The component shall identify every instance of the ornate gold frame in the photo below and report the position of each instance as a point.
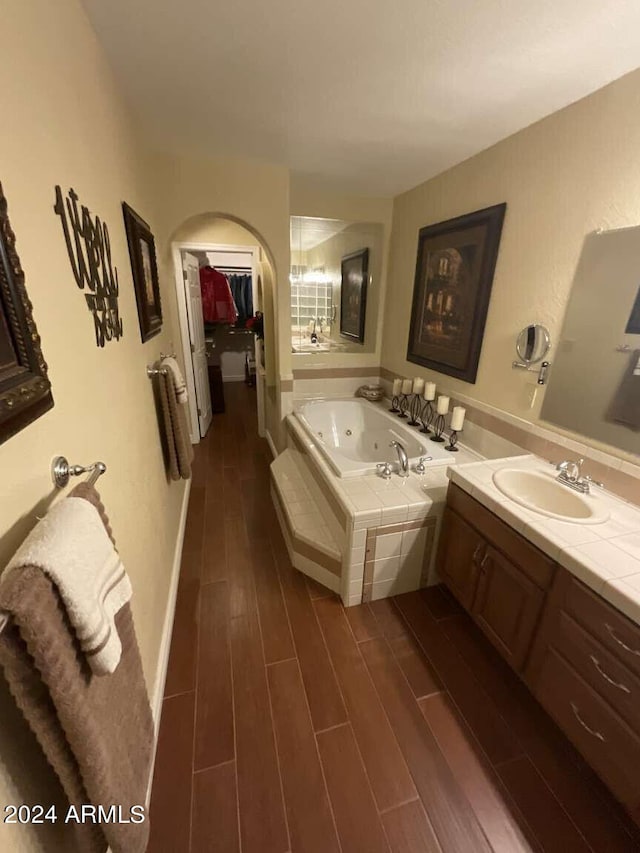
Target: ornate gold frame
(25, 389)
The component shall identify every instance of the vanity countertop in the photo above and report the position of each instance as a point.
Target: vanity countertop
(604, 556)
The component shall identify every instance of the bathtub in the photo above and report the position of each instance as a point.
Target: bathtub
(354, 435)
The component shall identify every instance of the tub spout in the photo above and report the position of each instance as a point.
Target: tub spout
(403, 459)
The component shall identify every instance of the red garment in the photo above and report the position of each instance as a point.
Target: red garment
(217, 302)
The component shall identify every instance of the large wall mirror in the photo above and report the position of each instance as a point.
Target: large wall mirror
(594, 384)
(335, 284)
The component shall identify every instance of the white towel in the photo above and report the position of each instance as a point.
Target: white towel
(178, 379)
(72, 547)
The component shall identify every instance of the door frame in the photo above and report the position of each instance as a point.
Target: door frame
(176, 249)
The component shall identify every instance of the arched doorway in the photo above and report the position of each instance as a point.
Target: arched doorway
(215, 353)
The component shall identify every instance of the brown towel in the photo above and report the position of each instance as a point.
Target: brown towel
(176, 430)
(96, 731)
(625, 406)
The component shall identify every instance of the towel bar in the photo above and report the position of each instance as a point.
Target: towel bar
(156, 371)
(61, 471)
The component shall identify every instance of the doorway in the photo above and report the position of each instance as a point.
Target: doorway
(223, 348)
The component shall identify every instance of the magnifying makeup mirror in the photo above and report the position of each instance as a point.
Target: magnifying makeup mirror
(532, 345)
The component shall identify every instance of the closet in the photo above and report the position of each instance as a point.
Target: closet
(231, 343)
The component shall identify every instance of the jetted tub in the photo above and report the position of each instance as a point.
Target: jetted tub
(354, 435)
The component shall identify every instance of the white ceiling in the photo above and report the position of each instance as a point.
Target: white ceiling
(371, 95)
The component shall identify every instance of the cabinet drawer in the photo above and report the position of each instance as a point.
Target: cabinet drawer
(530, 559)
(617, 634)
(604, 739)
(602, 670)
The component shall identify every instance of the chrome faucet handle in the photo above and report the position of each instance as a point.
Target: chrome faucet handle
(421, 468)
(591, 481)
(384, 470)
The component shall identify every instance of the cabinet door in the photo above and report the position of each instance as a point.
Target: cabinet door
(459, 554)
(506, 606)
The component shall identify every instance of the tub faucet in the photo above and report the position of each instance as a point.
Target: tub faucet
(403, 459)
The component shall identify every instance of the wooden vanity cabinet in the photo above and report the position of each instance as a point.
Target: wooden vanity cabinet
(497, 576)
(461, 549)
(579, 656)
(507, 606)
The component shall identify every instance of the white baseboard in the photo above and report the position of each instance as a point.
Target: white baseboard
(272, 446)
(167, 629)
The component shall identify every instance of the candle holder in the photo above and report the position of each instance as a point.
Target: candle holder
(453, 440)
(414, 409)
(403, 405)
(426, 416)
(395, 404)
(438, 428)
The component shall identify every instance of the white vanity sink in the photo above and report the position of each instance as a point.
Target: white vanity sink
(541, 492)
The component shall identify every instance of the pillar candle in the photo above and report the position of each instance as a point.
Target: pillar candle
(418, 385)
(457, 418)
(406, 386)
(443, 405)
(430, 391)
(397, 386)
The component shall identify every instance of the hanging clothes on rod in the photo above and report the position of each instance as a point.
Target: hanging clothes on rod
(218, 305)
(242, 291)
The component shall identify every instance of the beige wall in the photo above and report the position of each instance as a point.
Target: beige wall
(565, 176)
(256, 195)
(308, 198)
(65, 124)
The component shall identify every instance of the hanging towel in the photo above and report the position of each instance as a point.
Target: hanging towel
(625, 406)
(97, 733)
(178, 379)
(217, 301)
(174, 429)
(71, 546)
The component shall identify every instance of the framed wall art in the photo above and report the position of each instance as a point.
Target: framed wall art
(353, 295)
(454, 273)
(144, 267)
(25, 390)
(633, 323)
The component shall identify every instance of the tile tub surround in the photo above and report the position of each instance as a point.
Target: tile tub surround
(620, 474)
(605, 557)
(369, 505)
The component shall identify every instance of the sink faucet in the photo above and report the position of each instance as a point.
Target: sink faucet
(570, 476)
(403, 459)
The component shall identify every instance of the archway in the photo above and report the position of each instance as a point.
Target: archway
(213, 232)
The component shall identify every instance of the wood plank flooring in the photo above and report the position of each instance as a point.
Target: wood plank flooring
(292, 724)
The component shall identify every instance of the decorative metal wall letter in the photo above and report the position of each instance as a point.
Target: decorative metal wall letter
(89, 251)
(25, 390)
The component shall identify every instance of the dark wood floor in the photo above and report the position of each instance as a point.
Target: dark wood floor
(290, 723)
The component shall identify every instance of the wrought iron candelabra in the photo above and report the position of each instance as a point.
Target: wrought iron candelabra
(438, 428)
(426, 416)
(415, 407)
(453, 440)
(403, 405)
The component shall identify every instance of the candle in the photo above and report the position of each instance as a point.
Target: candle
(430, 391)
(457, 418)
(443, 405)
(406, 386)
(418, 385)
(397, 386)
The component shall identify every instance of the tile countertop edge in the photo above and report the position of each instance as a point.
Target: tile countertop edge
(622, 591)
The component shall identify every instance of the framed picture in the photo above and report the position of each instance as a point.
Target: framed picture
(353, 294)
(633, 323)
(454, 273)
(142, 251)
(25, 390)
